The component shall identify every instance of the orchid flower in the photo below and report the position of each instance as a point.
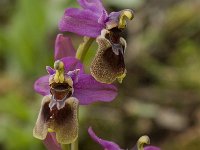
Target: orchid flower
(85, 88)
(64, 88)
(109, 145)
(92, 18)
(94, 21)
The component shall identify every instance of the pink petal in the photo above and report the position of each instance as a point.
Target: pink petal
(93, 5)
(63, 47)
(82, 22)
(81, 14)
(108, 145)
(50, 70)
(103, 18)
(74, 75)
(72, 64)
(151, 148)
(41, 85)
(88, 90)
(51, 143)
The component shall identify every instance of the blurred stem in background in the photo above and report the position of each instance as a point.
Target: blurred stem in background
(83, 48)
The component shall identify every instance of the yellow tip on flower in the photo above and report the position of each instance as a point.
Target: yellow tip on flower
(141, 141)
(120, 79)
(50, 130)
(59, 67)
(125, 14)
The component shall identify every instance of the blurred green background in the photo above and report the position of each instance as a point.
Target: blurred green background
(159, 97)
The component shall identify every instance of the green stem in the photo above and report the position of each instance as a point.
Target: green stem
(74, 146)
(66, 146)
(83, 48)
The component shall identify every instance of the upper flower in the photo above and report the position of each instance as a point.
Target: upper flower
(92, 18)
(109, 145)
(84, 87)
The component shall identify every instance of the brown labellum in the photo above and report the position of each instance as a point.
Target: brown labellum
(108, 64)
(64, 122)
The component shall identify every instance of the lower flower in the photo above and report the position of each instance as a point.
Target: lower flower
(109, 145)
(64, 89)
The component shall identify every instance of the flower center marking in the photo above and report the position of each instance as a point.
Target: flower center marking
(60, 88)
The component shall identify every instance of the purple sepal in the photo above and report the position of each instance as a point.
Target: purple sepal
(114, 16)
(107, 145)
(41, 85)
(71, 64)
(50, 70)
(151, 148)
(87, 90)
(74, 75)
(93, 5)
(82, 22)
(81, 14)
(63, 47)
(51, 143)
(103, 18)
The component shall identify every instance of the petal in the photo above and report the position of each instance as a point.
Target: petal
(41, 127)
(93, 5)
(81, 14)
(82, 22)
(112, 20)
(65, 122)
(151, 148)
(72, 64)
(103, 18)
(41, 85)
(88, 90)
(63, 47)
(50, 70)
(114, 16)
(108, 145)
(108, 63)
(74, 75)
(51, 143)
